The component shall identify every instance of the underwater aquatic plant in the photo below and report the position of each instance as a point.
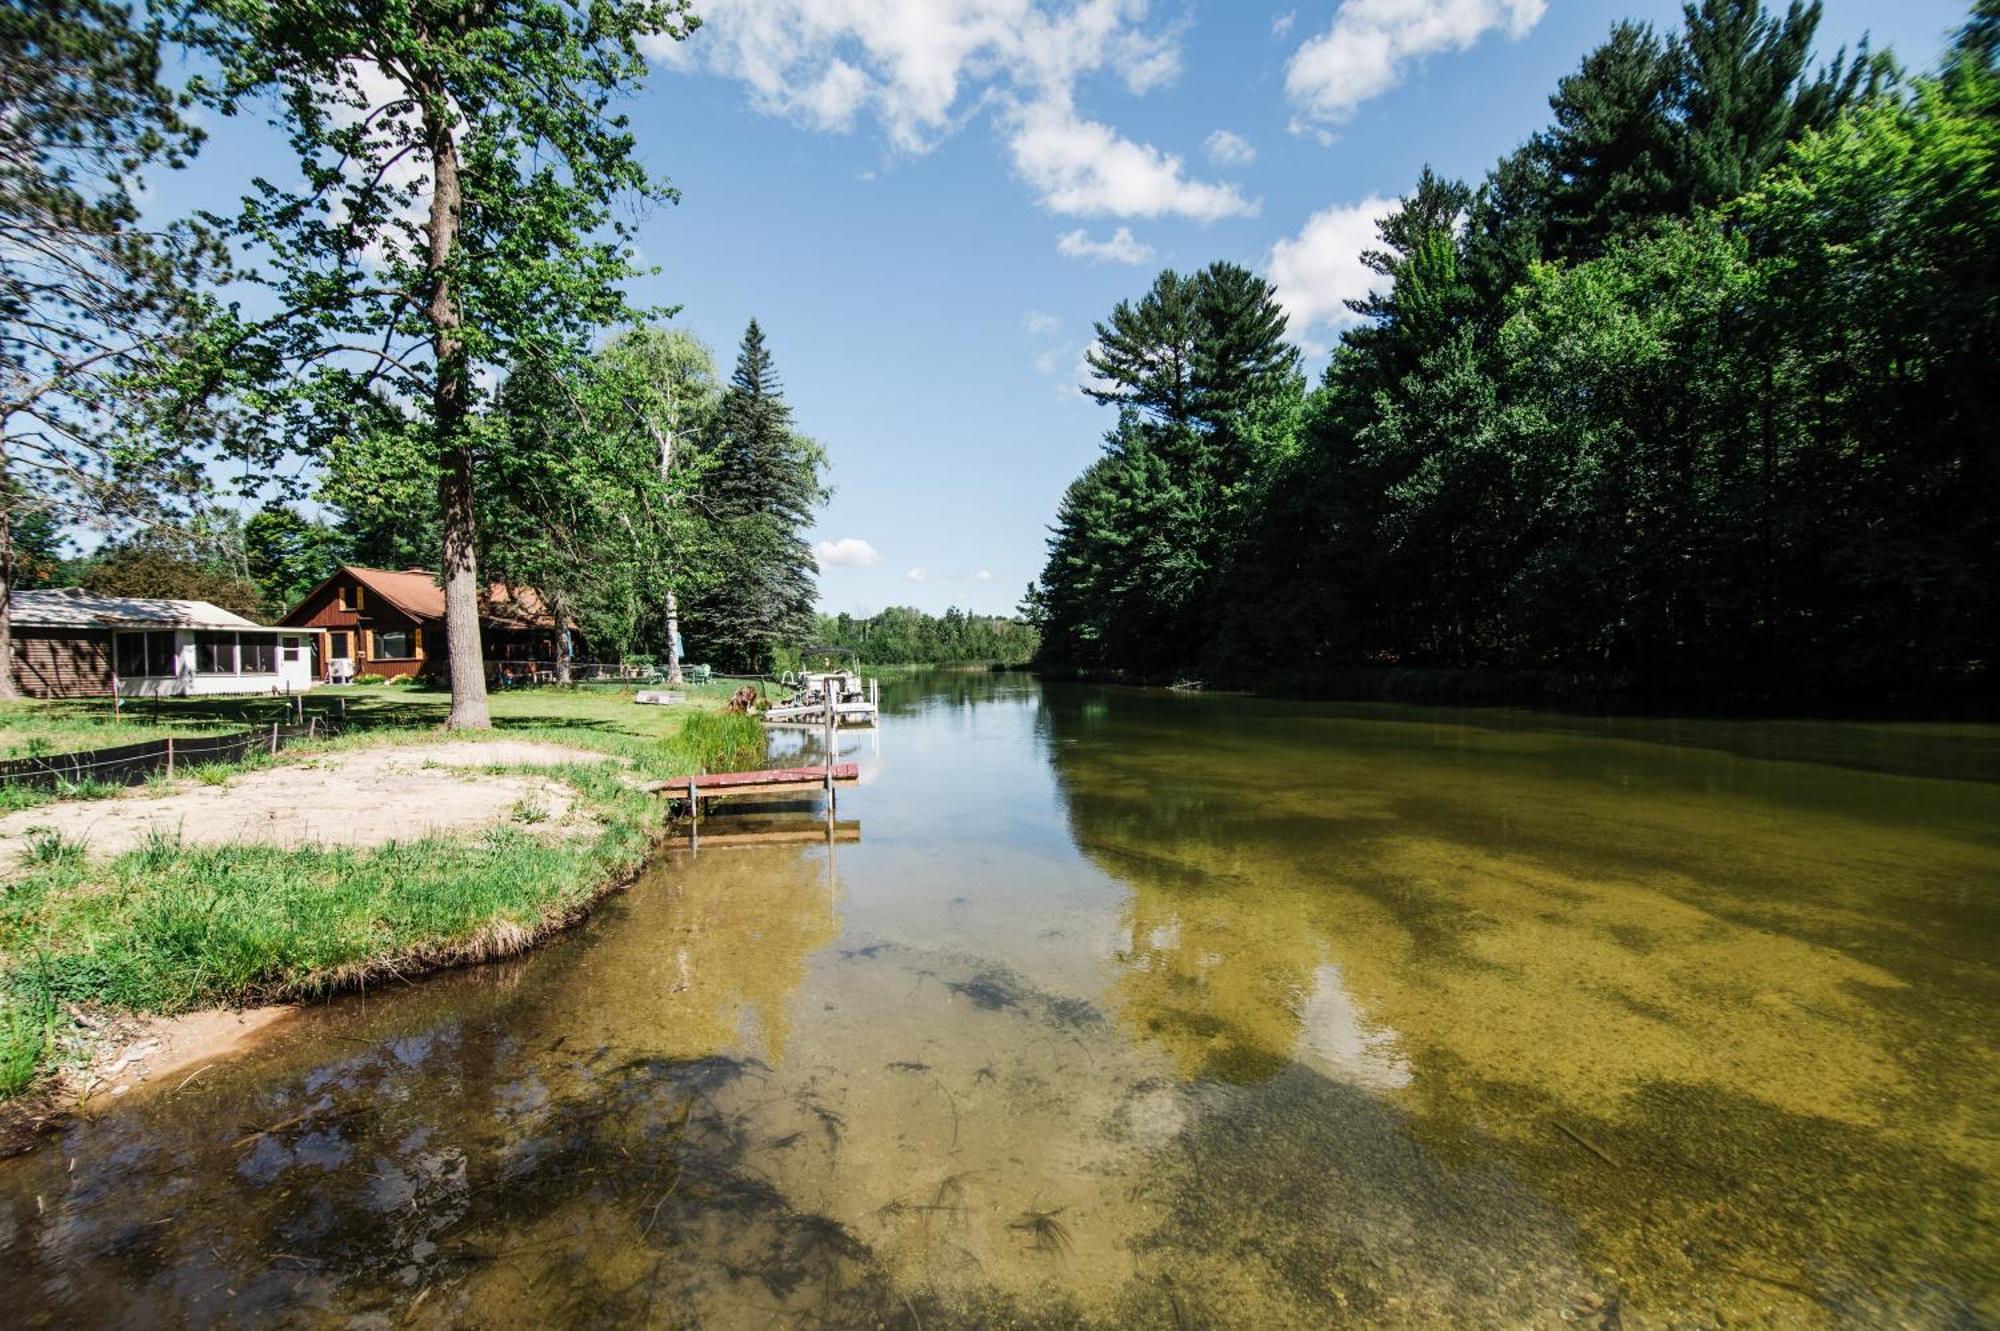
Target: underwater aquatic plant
(1049, 1233)
(988, 991)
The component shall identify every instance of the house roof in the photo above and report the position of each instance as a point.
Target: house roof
(416, 593)
(74, 608)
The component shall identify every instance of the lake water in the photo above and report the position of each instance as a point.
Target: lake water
(1135, 1009)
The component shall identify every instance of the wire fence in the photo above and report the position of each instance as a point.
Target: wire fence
(131, 764)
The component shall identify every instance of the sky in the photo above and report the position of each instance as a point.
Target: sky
(928, 203)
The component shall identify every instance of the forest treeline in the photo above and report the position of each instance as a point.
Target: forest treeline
(905, 635)
(1694, 393)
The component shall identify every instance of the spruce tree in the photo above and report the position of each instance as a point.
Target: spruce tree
(761, 488)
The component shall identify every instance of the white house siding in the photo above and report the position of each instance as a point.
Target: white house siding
(188, 682)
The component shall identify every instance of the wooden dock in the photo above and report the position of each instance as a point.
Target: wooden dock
(771, 781)
(774, 781)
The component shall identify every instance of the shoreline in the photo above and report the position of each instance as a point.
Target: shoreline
(217, 1034)
(301, 891)
(1425, 686)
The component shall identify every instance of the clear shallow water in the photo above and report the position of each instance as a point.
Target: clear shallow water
(1136, 1009)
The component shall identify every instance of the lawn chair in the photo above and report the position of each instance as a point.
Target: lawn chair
(699, 674)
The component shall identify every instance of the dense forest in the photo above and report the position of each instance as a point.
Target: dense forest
(905, 635)
(1694, 393)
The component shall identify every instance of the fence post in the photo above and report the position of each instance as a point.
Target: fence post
(274, 739)
(170, 757)
(694, 816)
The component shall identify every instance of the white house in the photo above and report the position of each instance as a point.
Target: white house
(70, 644)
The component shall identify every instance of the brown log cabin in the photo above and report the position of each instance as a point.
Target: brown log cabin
(389, 622)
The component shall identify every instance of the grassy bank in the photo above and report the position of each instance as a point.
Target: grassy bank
(167, 928)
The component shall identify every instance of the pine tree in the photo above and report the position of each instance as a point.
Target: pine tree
(762, 486)
(88, 296)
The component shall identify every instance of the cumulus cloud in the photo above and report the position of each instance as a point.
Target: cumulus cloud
(918, 575)
(1372, 42)
(1281, 24)
(984, 575)
(1121, 246)
(921, 68)
(1086, 169)
(847, 552)
(1319, 270)
(1226, 148)
(1041, 325)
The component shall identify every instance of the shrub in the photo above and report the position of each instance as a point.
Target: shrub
(370, 679)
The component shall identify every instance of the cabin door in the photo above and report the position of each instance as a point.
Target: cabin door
(340, 656)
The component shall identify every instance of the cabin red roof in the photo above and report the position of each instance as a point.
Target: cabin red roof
(415, 592)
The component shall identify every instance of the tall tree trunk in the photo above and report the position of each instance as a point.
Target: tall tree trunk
(565, 667)
(665, 439)
(7, 689)
(673, 637)
(467, 663)
(673, 601)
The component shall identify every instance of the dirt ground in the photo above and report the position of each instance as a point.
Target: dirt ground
(358, 797)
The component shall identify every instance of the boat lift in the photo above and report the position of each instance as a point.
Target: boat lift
(820, 696)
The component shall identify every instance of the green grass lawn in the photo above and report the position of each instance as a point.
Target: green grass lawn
(168, 928)
(35, 728)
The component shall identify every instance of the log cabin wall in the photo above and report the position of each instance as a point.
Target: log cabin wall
(344, 606)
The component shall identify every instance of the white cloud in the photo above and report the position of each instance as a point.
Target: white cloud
(1281, 24)
(984, 575)
(1041, 325)
(1370, 43)
(918, 575)
(847, 552)
(1317, 271)
(921, 68)
(1085, 169)
(1119, 247)
(1226, 148)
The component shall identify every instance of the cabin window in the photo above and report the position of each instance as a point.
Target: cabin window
(259, 654)
(292, 649)
(394, 644)
(350, 596)
(147, 654)
(215, 653)
(339, 647)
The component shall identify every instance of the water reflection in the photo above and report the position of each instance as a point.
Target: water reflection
(1724, 985)
(1140, 1010)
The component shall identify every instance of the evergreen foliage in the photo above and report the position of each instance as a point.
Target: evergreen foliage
(905, 635)
(761, 486)
(88, 298)
(1693, 393)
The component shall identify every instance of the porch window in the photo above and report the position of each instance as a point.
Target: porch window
(394, 644)
(259, 654)
(215, 653)
(292, 649)
(143, 655)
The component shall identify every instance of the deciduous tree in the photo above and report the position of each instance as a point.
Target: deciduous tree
(460, 163)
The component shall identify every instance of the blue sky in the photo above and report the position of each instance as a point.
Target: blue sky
(927, 203)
